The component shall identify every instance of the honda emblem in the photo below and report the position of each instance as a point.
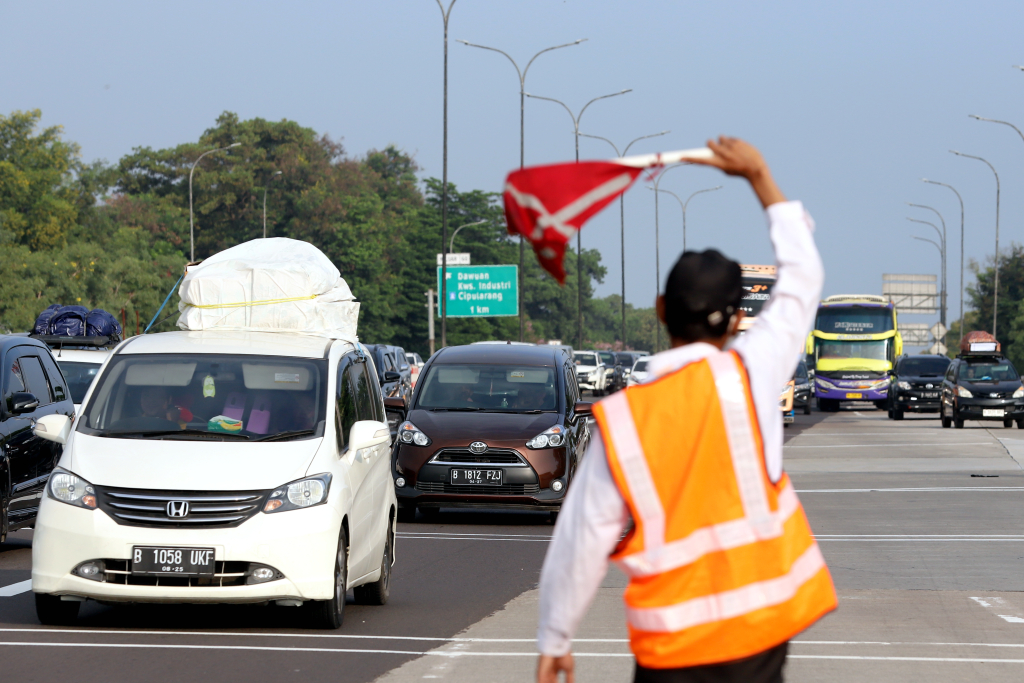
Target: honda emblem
(477, 447)
(177, 508)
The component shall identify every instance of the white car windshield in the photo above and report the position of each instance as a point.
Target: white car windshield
(488, 388)
(641, 366)
(208, 396)
(585, 358)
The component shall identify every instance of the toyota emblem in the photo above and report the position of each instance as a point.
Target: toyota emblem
(177, 508)
(477, 447)
(927, 386)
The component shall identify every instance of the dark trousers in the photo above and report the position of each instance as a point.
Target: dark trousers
(765, 667)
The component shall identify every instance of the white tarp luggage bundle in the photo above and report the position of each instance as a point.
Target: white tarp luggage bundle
(269, 285)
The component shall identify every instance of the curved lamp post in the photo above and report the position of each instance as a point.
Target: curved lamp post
(451, 244)
(191, 219)
(522, 102)
(995, 289)
(579, 243)
(942, 308)
(657, 249)
(942, 272)
(622, 218)
(273, 177)
(935, 182)
(445, 15)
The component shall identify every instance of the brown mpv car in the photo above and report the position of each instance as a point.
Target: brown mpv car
(491, 425)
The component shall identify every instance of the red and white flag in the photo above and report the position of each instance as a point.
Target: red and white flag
(548, 205)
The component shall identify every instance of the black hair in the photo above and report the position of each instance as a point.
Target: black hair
(702, 293)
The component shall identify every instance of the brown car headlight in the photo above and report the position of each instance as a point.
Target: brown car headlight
(411, 434)
(552, 437)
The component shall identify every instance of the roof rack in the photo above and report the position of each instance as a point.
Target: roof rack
(56, 341)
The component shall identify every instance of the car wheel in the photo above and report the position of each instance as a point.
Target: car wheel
(957, 420)
(406, 514)
(890, 413)
(1007, 424)
(329, 614)
(1020, 424)
(897, 414)
(807, 407)
(377, 593)
(946, 422)
(52, 611)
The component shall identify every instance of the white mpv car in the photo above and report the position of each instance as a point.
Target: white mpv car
(220, 467)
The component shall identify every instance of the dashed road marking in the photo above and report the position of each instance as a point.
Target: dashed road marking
(16, 588)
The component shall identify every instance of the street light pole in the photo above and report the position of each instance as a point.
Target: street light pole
(657, 250)
(995, 289)
(191, 219)
(945, 251)
(622, 219)
(579, 242)
(942, 239)
(942, 257)
(451, 244)
(445, 14)
(522, 115)
(272, 178)
(935, 182)
(683, 205)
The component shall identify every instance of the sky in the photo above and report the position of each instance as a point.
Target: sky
(851, 103)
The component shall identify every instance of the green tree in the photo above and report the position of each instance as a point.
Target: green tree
(39, 203)
(1011, 292)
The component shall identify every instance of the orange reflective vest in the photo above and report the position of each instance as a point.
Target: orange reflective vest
(722, 562)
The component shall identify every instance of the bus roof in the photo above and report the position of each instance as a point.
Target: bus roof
(763, 271)
(870, 299)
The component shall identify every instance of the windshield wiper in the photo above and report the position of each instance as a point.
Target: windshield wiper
(455, 410)
(280, 436)
(174, 432)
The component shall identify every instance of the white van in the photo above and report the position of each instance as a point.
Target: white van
(220, 467)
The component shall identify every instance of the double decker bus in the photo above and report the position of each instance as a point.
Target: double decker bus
(854, 345)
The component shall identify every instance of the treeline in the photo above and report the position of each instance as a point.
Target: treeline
(117, 236)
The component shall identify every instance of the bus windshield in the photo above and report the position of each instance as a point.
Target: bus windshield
(854, 320)
(835, 349)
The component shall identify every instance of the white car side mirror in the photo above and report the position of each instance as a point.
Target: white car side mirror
(53, 428)
(366, 434)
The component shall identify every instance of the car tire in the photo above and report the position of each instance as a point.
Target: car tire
(946, 422)
(890, 414)
(1020, 424)
(897, 414)
(330, 614)
(52, 611)
(957, 420)
(377, 593)
(807, 407)
(1007, 424)
(406, 514)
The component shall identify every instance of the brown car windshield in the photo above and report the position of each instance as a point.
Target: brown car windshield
(491, 388)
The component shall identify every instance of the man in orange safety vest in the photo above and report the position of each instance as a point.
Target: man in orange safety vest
(723, 569)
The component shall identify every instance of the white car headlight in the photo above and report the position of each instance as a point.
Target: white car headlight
(410, 433)
(300, 494)
(964, 393)
(903, 385)
(1019, 393)
(71, 489)
(553, 437)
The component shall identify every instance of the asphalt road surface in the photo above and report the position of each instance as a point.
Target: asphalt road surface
(921, 527)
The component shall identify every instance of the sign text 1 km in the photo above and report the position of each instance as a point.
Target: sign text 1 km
(481, 291)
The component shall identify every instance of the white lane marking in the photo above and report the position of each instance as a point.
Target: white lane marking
(16, 588)
(858, 414)
(464, 653)
(236, 634)
(898, 445)
(994, 603)
(932, 489)
(434, 653)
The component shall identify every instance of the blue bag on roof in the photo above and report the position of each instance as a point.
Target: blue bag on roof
(43, 319)
(100, 323)
(68, 321)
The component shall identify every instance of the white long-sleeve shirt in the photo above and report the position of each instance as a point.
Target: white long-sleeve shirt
(594, 514)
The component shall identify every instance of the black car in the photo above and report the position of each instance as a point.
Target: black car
(802, 389)
(982, 387)
(623, 364)
(916, 385)
(32, 387)
(389, 373)
(491, 426)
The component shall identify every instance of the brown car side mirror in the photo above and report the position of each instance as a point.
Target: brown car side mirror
(584, 408)
(395, 403)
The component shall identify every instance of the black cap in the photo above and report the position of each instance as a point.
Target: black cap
(702, 293)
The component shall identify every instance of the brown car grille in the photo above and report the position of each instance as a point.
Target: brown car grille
(503, 490)
(459, 456)
(206, 509)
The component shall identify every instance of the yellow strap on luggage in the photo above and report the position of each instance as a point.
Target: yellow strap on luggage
(253, 303)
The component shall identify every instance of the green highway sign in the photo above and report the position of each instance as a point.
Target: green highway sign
(481, 291)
